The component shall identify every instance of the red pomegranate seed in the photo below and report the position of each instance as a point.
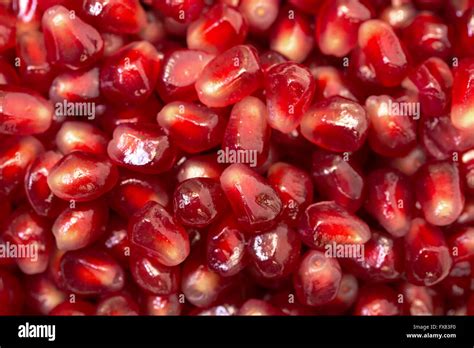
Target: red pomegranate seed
(317, 279)
(183, 11)
(134, 190)
(438, 189)
(463, 31)
(428, 258)
(382, 260)
(117, 305)
(116, 16)
(152, 276)
(23, 111)
(324, 223)
(461, 244)
(70, 42)
(294, 187)
(275, 254)
(462, 110)
(76, 86)
(383, 51)
(269, 59)
(289, 90)
(80, 225)
(204, 166)
(258, 308)
(163, 305)
(337, 25)
(345, 298)
(399, 15)
(82, 176)
(191, 127)
(260, 14)
(337, 179)
(217, 30)
(112, 43)
(427, 36)
(181, 69)
(91, 272)
(255, 203)
(390, 200)
(336, 124)
(142, 147)
(467, 169)
(226, 248)
(153, 231)
(420, 300)
(410, 163)
(11, 294)
(8, 30)
(291, 35)
(129, 75)
(330, 83)
(198, 202)
(42, 295)
(229, 77)
(115, 240)
(78, 308)
(377, 300)
(81, 136)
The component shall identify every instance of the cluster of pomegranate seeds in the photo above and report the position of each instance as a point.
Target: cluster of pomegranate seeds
(236, 157)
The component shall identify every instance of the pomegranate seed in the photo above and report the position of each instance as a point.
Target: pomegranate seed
(428, 259)
(330, 83)
(390, 200)
(115, 240)
(78, 308)
(153, 231)
(82, 176)
(76, 86)
(152, 276)
(324, 223)
(337, 25)
(42, 294)
(70, 42)
(317, 279)
(183, 11)
(420, 300)
(91, 272)
(219, 29)
(439, 192)
(345, 298)
(255, 203)
(11, 294)
(180, 72)
(117, 305)
(129, 75)
(116, 16)
(80, 225)
(399, 15)
(112, 43)
(463, 31)
(462, 244)
(289, 90)
(23, 111)
(377, 300)
(291, 35)
(226, 248)
(142, 147)
(410, 163)
(205, 166)
(229, 77)
(336, 124)
(383, 51)
(260, 14)
(269, 59)
(191, 127)
(337, 179)
(81, 136)
(163, 305)
(463, 96)
(467, 169)
(7, 30)
(258, 308)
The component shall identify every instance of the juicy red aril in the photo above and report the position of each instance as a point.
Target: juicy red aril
(81, 136)
(294, 188)
(438, 189)
(198, 202)
(289, 90)
(163, 305)
(467, 170)
(204, 166)
(118, 305)
(78, 308)
(337, 25)
(153, 231)
(258, 308)
(152, 276)
(260, 14)
(70, 42)
(324, 223)
(129, 75)
(23, 111)
(420, 300)
(428, 258)
(390, 200)
(291, 35)
(255, 203)
(217, 30)
(191, 127)
(91, 272)
(7, 30)
(329, 83)
(462, 110)
(75, 86)
(142, 147)
(345, 298)
(463, 31)
(378, 300)
(337, 179)
(317, 279)
(183, 11)
(115, 240)
(80, 225)
(42, 295)
(461, 244)
(11, 294)
(336, 124)
(410, 163)
(229, 77)
(399, 15)
(82, 176)
(383, 51)
(181, 68)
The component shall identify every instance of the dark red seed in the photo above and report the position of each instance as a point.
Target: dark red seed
(377, 300)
